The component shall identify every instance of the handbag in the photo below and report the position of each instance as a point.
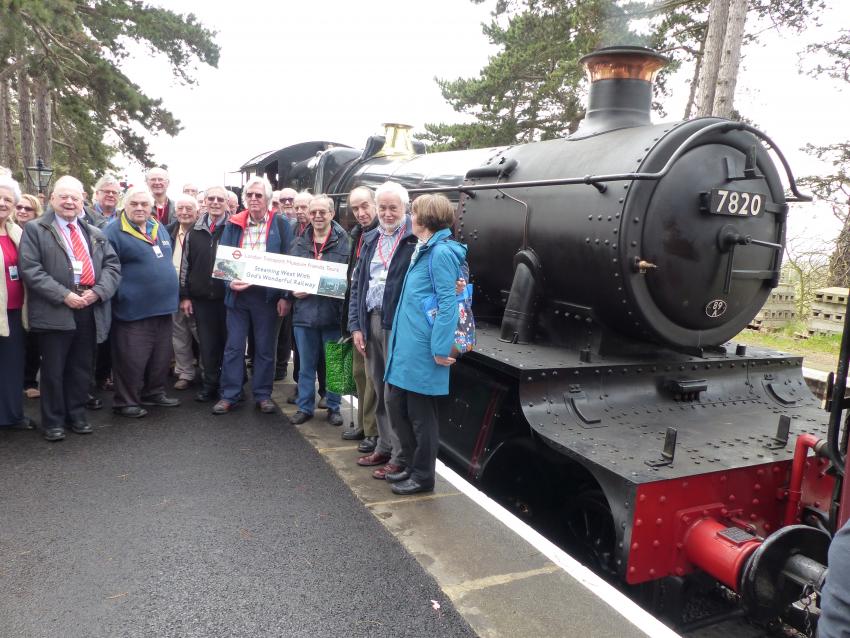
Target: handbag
(339, 370)
(465, 329)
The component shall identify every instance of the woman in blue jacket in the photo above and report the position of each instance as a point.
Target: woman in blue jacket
(420, 353)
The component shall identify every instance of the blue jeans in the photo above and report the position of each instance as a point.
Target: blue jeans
(250, 309)
(311, 346)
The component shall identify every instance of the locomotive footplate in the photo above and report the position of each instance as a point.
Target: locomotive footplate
(729, 414)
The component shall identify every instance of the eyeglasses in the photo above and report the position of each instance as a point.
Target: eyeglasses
(287, 200)
(216, 198)
(254, 196)
(319, 213)
(108, 192)
(29, 209)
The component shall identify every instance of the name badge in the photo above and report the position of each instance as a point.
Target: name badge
(77, 266)
(13, 273)
(157, 251)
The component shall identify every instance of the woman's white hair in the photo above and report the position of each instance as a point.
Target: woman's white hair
(10, 184)
(393, 188)
(262, 181)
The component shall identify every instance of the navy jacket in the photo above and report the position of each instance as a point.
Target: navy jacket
(279, 241)
(149, 285)
(315, 310)
(357, 315)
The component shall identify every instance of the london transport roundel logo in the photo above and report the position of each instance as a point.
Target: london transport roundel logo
(716, 308)
(237, 254)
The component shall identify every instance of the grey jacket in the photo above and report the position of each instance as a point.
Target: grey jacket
(48, 276)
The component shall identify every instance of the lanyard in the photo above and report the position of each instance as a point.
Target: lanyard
(253, 244)
(359, 245)
(317, 253)
(301, 229)
(386, 261)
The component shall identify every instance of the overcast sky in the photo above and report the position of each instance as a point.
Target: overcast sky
(331, 70)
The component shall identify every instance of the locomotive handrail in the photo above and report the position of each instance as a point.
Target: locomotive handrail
(593, 180)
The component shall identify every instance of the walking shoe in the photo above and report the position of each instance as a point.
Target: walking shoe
(396, 477)
(93, 403)
(389, 468)
(24, 423)
(410, 486)
(32, 393)
(300, 417)
(352, 434)
(334, 417)
(205, 395)
(161, 400)
(182, 384)
(280, 375)
(81, 427)
(54, 434)
(368, 445)
(293, 396)
(323, 404)
(375, 458)
(130, 411)
(267, 406)
(222, 407)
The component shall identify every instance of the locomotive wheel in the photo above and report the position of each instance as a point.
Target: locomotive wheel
(589, 529)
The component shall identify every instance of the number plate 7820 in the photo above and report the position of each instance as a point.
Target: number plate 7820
(736, 203)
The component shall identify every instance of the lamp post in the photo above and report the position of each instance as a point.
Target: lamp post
(39, 176)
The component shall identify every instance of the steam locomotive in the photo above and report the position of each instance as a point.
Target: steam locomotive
(611, 268)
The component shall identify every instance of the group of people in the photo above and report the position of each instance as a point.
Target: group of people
(95, 296)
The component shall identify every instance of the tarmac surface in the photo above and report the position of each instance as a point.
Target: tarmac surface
(185, 524)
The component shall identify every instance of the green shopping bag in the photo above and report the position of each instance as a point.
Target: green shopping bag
(339, 373)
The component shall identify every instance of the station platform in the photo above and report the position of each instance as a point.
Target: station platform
(186, 524)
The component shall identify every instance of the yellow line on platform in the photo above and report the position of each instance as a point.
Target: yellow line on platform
(340, 448)
(411, 499)
(454, 591)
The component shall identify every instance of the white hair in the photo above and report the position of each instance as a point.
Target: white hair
(70, 182)
(138, 190)
(262, 181)
(8, 183)
(186, 197)
(393, 188)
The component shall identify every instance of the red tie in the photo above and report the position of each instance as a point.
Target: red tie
(80, 254)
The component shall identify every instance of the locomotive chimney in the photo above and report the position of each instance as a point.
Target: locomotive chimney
(620, 88)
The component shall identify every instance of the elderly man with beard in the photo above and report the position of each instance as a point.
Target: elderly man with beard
(254, 307)
(201, 296)
(316, 318)
(361, 203)
(157, 180)
(184, 333)
(385, 255)
(143, 307)
(70, 272)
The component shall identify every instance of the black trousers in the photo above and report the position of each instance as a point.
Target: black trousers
(32, 361)
(66, 369)
(211, 319)
(414, 418)
(12, 364)
(141, 358)
(103, 362)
